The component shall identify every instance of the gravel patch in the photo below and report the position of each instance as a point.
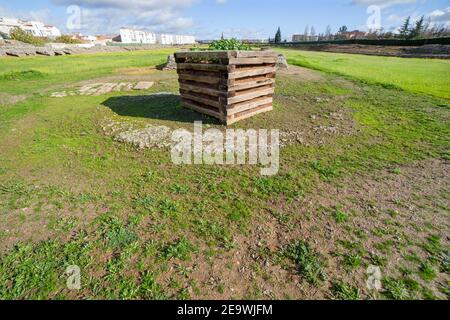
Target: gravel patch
(149, 137)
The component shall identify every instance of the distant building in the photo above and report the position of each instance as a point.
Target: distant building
(298, 38)
(355, 34)
(133, 36)
(35, 28)
(137, 36)
(94, 40)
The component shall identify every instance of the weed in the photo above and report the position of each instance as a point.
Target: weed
(427, 271)
(395, 289)
(352, 261)
(150, 289)
(344, 291)
(309, 262)
(179, 249)
(117, 235)
(326, 172)
(340, 216)
(168, 208)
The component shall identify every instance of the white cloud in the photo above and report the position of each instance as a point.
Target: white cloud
(108, 16)
(128, 4)
(221, 1)
(440, 16)
(381, 3)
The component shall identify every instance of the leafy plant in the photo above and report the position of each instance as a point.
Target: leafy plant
(352, 260)
(228, 44)
(427, 271)
(344, 291)
(180, 249)
(23, 36)
(309, 262)
(396, 289)
(340, 216)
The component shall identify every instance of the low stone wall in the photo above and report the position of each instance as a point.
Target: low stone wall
(18, 49)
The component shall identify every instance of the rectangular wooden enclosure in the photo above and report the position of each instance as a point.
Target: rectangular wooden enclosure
(227, 85)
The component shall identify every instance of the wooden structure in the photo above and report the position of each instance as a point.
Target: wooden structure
(228, 85)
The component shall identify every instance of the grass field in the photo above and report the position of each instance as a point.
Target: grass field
(363, 181)
(429, 76)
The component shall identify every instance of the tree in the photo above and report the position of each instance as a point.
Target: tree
(313, 31)
(343, 29)
(404, 29)
(278, 36)
(418, 28)
(306, 33)
(222, 37)
(341, 33)
(328, 33)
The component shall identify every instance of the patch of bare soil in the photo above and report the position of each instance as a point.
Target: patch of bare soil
(9, 99)
(33, 224)
(426, 51)
(407, 208)
(302, 74)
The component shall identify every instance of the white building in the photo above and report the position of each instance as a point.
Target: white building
(144, 37)
(137, 36)
(35, 28)
(166, 39)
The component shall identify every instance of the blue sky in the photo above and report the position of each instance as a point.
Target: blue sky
(236, 18)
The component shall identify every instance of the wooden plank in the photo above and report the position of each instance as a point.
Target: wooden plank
(252, 54)
(262, 60)
(250, 95)
(203, 54)
(203, 67)
(253, 79)
(204, 79)
(204, 73)
(197, 108)
(200, 89)
(251, 84)
(235, 118)
(248, 72)
(237, 108)
(201, 99)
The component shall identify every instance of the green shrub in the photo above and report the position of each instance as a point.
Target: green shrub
(67, 39)
(22, 75)
(229, 44)
(23, 36)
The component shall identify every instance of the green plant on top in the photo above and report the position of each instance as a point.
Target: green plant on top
(23, 36)
(228, 44)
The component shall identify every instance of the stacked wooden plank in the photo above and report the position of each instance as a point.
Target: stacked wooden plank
(228, 85)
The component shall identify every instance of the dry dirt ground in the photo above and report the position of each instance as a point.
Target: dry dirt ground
(427, 51)
(9, 99)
